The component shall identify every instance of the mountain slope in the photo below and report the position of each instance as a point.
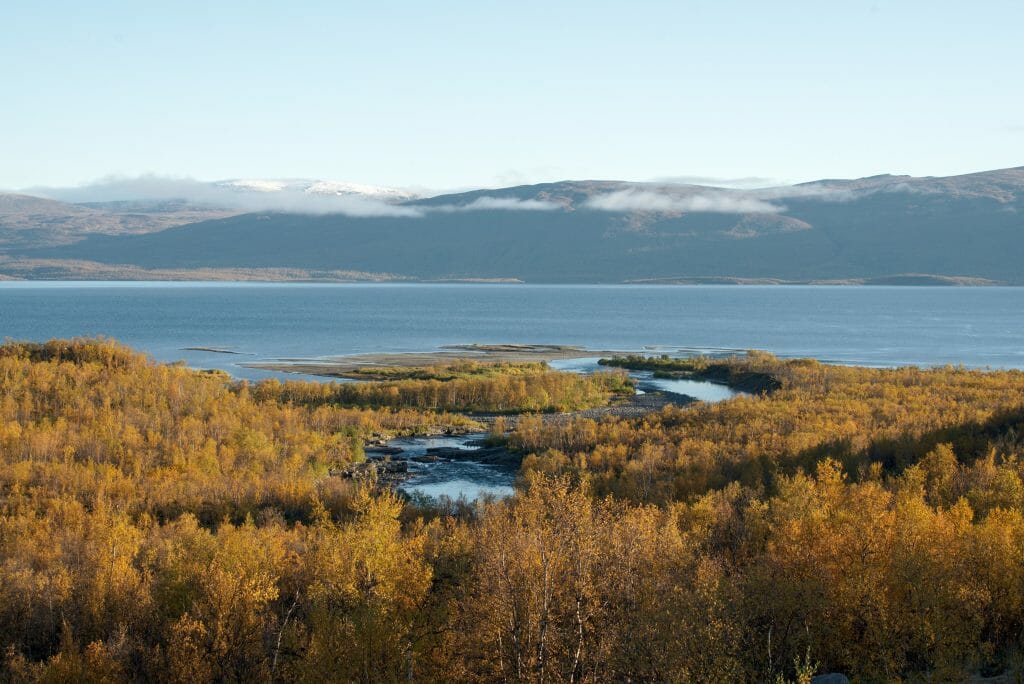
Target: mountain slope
(27, 221)
(608, 231)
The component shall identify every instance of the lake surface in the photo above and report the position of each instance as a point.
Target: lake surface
(859, 325)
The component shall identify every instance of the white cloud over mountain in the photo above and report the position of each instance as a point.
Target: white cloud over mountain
(653, 200)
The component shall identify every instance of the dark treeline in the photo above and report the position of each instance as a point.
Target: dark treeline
(748, 373)
(689, 364)
(160, 524)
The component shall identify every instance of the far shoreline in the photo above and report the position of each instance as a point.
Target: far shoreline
(929, 282)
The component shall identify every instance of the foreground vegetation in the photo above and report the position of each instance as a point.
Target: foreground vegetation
(162, 524)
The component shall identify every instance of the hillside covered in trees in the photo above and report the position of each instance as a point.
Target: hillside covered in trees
(164, 524)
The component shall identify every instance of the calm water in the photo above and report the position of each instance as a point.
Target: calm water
(860, 325)
(698, 389)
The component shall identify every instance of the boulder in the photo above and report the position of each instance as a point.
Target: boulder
(382, 450)
(830, 678)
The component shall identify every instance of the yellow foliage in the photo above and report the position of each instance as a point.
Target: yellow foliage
(167, 525)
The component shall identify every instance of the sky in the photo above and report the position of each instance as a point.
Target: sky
(448, 95)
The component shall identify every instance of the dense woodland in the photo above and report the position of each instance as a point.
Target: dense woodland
(163, 524)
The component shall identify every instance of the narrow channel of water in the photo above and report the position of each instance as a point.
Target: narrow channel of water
(698, 389)
(452, 479)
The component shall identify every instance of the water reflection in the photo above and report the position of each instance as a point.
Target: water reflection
(698, 389)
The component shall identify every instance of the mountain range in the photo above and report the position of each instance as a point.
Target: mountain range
(966, 229)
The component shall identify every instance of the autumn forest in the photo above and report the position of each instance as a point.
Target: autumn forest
(159, 523)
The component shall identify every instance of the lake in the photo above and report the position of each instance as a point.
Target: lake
(859, 325)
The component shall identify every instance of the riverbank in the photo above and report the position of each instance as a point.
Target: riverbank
(473, 464)
(635, 406)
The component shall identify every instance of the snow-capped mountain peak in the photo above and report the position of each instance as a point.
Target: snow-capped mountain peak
(325, 188)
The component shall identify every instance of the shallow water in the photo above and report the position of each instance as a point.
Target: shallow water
(466, 484)
(452, 479)
(698, 389)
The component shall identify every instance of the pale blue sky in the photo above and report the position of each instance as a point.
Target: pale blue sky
(454, 94)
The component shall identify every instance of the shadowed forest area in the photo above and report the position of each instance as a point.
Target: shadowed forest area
(163, 524)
